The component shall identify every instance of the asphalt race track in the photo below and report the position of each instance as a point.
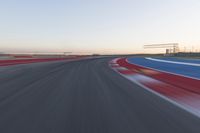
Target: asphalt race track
(84, 96)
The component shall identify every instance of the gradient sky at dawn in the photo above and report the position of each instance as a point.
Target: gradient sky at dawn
(97, 26)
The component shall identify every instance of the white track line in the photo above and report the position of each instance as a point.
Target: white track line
(163, 71)
(173, 62)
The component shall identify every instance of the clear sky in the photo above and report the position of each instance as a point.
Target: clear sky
(97, 26)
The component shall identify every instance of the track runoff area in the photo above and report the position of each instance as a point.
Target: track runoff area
(174, 79)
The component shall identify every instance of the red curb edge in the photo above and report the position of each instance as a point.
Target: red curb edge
(168, 86)
(186, 83)
(27, 61)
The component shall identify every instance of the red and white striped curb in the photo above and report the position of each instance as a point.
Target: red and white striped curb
(187, 98)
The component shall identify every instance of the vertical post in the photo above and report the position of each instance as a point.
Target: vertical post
(174, 49)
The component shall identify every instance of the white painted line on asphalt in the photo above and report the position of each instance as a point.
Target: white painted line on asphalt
(173, 62)
(163, 71)
(121, 68)
(143, 78)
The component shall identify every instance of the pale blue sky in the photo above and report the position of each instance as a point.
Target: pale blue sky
(97, 26)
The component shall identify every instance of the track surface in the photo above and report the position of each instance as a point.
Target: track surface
(83, 97)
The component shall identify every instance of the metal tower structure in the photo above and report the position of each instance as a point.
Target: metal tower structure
(170, 47)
